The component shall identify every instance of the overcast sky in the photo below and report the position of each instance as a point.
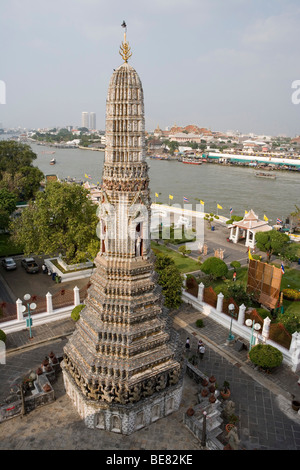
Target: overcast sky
(221, 64)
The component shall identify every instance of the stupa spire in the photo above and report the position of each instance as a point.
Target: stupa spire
(123, 364)
(124, 48)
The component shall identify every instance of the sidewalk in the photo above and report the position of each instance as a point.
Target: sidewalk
(281, 382)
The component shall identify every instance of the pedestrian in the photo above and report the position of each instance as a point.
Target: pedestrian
(44, 269)
(187, 344)
(200, 342)
(201, 351)
(234, 276)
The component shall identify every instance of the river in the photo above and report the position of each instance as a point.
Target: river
(229, 186)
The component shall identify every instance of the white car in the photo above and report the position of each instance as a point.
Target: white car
(9, 264)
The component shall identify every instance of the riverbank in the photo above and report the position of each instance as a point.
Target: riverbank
(231, 186)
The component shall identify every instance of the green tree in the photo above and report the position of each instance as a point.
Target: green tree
(172, 145)
(214, 267)
(271, 242)
(170, 279)
(14, 156)
(194, 145)
(171, 282)
(61, 220)
(7, 206)
(162, 261)
(238, 292)
(183, 250)
(17, 174)
(32, 177)
(210, 218)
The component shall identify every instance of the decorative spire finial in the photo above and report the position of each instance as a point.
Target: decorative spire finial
(124, 48)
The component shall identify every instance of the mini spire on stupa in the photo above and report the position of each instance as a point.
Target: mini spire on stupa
(124, 48)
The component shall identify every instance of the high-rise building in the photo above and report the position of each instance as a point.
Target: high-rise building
(85, 119)
(122, 366)
(93, 121)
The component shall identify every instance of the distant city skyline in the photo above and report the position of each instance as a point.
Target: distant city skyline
(215, 64)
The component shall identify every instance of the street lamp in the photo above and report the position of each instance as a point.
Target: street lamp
(255, 326)
(231, 308)
(30, 307)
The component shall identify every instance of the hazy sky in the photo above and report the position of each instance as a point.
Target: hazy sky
(222, 64)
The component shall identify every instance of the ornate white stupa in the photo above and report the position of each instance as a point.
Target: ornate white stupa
(122, 366)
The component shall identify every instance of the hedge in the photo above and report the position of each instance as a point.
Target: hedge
(265, 356)
(75, 314)
(291, 294)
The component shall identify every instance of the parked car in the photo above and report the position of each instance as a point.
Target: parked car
(30, 265)
(9, 264)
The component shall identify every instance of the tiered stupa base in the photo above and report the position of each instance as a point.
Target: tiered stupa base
(124, 419)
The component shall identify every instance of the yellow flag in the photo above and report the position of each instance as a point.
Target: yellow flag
(156, 195)
(249, 254)
(266, 218)
(86, 176)
(219, 207)
(170, 196)
(246, 212)
(202, 202)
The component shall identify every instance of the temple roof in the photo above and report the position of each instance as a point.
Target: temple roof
(252, 222)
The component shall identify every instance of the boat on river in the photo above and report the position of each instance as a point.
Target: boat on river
(269, 176)
(192, 160)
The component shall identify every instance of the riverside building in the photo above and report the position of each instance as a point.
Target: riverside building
(122, 366)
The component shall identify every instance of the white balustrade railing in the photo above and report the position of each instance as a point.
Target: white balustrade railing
(49, 315)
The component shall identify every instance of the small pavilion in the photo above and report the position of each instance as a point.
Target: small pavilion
(247, 228)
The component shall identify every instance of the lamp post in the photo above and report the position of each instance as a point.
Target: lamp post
(253, 326)
(30, 307)
(231, 308)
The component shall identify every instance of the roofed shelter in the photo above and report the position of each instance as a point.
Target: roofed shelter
(246, 229)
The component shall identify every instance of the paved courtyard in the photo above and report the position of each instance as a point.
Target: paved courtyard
(266, 420)
(263, 403)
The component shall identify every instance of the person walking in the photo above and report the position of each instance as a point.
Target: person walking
(201, 351)
(234, 276)
(200, 343)
(187, 344)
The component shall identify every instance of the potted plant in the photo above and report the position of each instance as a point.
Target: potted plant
(228, 427)
(295, 403)
(225, 390)
(212, 398)
(233, 419)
